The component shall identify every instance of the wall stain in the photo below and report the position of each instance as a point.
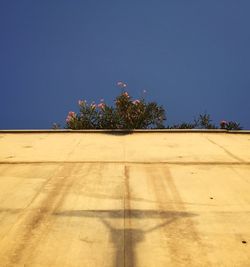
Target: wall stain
(35, 223)
(226, 151)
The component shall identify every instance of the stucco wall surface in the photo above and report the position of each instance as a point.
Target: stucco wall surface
(138, 199)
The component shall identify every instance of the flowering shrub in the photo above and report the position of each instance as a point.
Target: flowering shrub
(126, 114)
(223, 124)
(129, 113)
(204, 121)
(230, 125)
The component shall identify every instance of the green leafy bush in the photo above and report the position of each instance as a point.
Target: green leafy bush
(230, 125)
(183, 125)
(204, 121)
(125, 114)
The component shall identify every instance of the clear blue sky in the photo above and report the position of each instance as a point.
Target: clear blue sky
(190, 56)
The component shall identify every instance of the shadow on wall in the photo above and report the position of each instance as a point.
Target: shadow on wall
(119, 132)
(125, 239)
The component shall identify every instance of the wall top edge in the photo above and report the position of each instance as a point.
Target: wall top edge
(126, 131)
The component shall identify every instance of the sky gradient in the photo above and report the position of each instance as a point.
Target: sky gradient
(190, 56)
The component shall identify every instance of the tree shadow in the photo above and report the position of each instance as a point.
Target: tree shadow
(125, 239)
(118, 132)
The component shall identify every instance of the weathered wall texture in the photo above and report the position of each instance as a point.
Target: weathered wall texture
(141, 199)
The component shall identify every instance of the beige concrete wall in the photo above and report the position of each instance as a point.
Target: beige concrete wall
(141, 199)
(137, 147)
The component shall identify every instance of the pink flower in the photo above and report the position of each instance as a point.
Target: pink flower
(135, 102)
(126, 94)
(71, 116)
(223, 124)
(80, 102)
(121, 84)
(101, 105)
